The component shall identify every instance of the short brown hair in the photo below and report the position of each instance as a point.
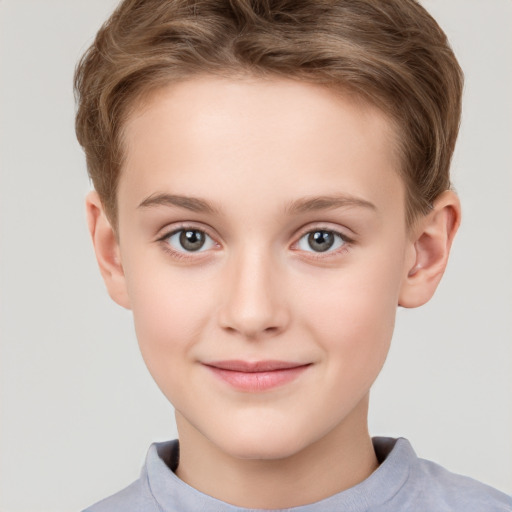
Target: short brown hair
(390, 52)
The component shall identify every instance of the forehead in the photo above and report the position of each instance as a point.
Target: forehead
(208, 136)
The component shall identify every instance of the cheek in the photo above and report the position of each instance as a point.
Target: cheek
(352, 316)
(170, 313)
(357, 338)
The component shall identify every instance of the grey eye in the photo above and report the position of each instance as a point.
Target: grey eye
(190, 240)
(320, 240)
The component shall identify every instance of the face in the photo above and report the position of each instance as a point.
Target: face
(263, 242)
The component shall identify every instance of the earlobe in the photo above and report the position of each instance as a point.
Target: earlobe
(107, 251)
(431, 244)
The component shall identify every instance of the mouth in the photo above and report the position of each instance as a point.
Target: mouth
(258, 375)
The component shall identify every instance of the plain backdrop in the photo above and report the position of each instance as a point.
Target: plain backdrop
(78, 407)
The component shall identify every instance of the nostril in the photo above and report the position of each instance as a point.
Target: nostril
(253, 333)
(252, 304)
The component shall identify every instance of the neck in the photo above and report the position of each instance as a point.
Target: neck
(341, 459)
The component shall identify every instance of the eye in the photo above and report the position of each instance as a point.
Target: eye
(189, 240)
(321, 240)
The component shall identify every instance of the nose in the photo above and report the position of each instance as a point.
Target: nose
(254, 304)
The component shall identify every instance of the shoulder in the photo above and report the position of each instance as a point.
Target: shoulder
(447, 491)
(133, 498)
(139, 496)
(406, 482)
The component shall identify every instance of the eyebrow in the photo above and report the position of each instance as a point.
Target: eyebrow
(317, 203)
(189, 203)
(303, 205)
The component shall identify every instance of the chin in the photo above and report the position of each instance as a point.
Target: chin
(263, 451)
(264, 443)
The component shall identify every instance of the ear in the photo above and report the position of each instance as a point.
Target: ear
(106, 247)
(430, 247)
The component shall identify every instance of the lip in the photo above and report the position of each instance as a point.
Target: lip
(255, 376)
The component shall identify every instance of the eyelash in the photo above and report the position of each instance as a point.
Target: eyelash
(347, 242)
(184, 255)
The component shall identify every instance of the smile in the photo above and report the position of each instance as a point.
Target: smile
(256, 376)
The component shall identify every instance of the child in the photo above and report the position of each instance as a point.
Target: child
(271, 182)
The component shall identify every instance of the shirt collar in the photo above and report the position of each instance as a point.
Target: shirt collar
(171, 493)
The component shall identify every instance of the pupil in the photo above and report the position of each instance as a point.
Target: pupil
(192, 240)
(320, 241)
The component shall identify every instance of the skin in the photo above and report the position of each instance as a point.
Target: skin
(256, 151)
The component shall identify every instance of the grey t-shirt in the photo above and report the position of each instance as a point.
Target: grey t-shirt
(402, 482)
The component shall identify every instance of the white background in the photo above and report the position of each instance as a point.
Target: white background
(79, 409)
